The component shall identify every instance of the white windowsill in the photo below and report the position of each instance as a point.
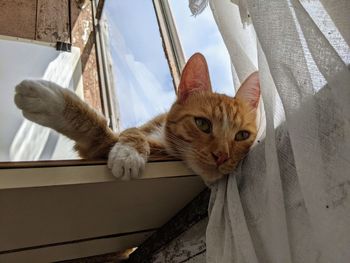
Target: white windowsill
(78, 172)
(82, 217)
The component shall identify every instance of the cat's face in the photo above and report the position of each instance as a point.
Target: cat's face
(211, 132)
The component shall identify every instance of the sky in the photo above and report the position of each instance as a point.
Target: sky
(142, 78)
(200, 33)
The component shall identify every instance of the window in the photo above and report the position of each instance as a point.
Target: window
(143, 83)
(28, 190)
(28, 50)
(22, 140)
(146, 45)
(54, 197)
(142, 47)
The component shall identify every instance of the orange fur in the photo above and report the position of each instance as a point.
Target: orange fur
(228, 116)
(176, 133)
(87, 128)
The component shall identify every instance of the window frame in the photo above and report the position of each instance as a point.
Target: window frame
(172, 48)
(26, 40)
(15, 175)
(109, 102)
(171, 41)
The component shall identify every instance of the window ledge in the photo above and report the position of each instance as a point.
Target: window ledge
(90, 212)
(54, 173)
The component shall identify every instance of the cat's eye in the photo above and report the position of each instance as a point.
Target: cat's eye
(203, 124)
(242, 135)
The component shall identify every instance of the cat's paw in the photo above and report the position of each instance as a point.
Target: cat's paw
(41, 101)
(125, 162)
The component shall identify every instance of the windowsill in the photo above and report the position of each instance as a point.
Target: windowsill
(90, 212)
(55, 173)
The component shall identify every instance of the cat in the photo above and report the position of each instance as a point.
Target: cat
(210, 132)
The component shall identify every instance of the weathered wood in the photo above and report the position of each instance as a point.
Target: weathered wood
(18, 18)
(52, 23)
(183, 221)
(99, 8)
(188, 247)
(200, 258)
(83, 37)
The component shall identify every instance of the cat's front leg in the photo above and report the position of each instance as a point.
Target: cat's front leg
(50, 105)
(129, 155)
(41, 102)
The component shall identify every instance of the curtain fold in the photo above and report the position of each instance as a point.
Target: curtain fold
(240, 42)
(289, 200)
(339, 12)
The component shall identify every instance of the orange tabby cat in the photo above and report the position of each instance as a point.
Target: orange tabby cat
(210, 132)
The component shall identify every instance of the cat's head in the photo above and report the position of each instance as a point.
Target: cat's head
(211, 132)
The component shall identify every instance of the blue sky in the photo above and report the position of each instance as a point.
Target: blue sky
(143, 82)
(200, 33)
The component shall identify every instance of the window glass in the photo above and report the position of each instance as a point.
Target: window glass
(20, 139)
(143, 83)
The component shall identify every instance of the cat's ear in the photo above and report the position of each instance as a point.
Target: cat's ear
(249, 91)
(195, 77)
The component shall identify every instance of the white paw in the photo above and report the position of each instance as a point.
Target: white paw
(41, 101)
(125, 162)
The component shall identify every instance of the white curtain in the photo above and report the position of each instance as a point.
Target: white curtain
(289, 201)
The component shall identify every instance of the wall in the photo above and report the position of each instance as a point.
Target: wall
(51, 21)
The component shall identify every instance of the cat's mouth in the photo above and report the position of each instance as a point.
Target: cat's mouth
(206, 169)
(222, 169)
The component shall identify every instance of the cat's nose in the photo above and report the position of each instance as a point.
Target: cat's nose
(220, 157)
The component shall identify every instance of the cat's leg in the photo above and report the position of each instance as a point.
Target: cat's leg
(41, 102)
(50, 105)
(129, 155)
(136, 146)
(155, 133)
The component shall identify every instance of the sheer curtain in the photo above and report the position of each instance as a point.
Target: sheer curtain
(289, 200)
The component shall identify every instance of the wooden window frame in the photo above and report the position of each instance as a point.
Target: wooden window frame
(171, 41)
